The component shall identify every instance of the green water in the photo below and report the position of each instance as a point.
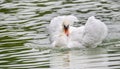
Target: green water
(24, 41)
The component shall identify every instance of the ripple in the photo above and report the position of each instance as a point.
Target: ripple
(24, 41)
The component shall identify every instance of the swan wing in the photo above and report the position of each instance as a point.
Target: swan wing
(55, 24)
(94, 32)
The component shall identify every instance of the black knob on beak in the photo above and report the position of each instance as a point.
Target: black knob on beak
(66, 27)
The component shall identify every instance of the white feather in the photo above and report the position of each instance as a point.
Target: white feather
(95, 31)
(90, 35)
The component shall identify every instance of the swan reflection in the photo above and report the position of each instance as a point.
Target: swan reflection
(80, 59)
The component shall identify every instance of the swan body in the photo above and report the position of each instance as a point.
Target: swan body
(62, 32)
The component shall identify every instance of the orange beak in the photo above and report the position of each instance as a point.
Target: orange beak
(66, 30)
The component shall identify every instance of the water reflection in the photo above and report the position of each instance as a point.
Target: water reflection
(97, 58)
(79, 59)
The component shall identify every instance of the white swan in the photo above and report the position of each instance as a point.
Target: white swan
(62, 32)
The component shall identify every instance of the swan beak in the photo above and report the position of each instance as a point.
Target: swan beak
(66, 29)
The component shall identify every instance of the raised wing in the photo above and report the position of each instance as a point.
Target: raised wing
(95, 31)
(55, 24)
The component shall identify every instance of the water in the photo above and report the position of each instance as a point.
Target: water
(24, 41)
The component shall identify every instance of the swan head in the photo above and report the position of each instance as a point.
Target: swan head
(66, 25)
(67, 22)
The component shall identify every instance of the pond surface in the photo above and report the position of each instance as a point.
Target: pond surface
(24, 42)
